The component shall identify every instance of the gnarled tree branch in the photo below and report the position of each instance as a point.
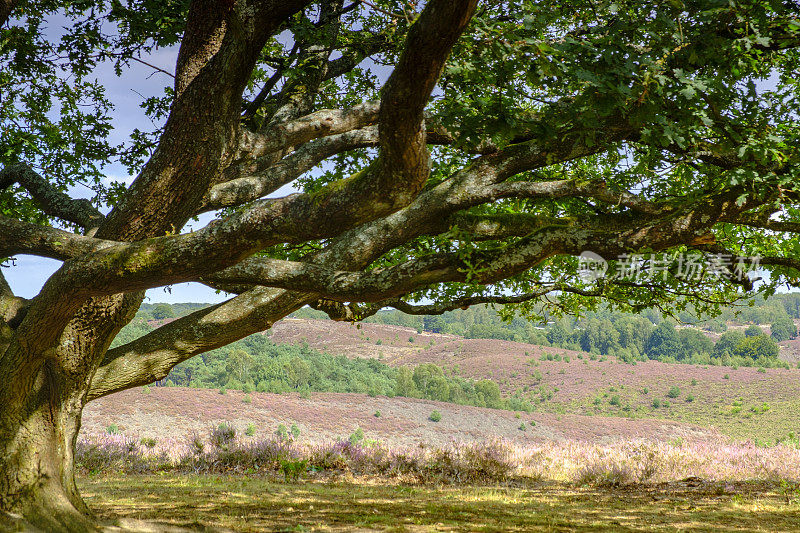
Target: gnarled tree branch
(261, 182)
(52, 201)
(152, 356)
(282, 136)
(18, 237)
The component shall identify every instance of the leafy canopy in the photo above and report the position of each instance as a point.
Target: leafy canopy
(706, 94)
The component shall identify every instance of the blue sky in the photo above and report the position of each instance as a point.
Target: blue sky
(138, 82)
(27, 274)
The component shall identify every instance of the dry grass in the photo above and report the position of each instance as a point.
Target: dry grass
(259, 504)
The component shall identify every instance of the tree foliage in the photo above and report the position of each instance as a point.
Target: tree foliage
(257, 363)
(783, 329)
(445, 154)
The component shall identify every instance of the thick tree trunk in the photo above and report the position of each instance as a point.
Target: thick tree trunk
(38, 430)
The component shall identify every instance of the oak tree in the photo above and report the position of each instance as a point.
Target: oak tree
(444, 153)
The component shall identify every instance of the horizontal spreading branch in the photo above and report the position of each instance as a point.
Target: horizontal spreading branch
(573, 188)
(341, 285)
(281, 137)
(151, 357)
(174, 259)
(262, 182)
(491, 227)
(439, 308)
(18, 237)
(351, 312)
(765, 221)
(788, 262)
(49, 199)
(479, 266)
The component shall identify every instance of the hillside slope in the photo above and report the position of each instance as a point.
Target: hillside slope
(743, 402)
(176, 412)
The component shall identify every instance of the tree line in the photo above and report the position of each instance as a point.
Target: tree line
(255, 363)
(723, 340)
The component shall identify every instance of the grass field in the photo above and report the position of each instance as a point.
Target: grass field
(262, 504)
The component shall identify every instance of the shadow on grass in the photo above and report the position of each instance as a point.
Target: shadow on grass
(245, 504)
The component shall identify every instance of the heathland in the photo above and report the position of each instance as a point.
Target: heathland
(485, 424)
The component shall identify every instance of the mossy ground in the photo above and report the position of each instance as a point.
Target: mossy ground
(259, 504)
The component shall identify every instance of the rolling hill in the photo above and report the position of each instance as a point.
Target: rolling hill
(745, 402)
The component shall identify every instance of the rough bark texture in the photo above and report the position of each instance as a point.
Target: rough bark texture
(217, 151)
(5, 10)
(51, 367)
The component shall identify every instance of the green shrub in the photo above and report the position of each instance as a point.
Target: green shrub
(146, 389)
(656, 403)
(523, 427)
(295, 431)
(247, 399)
(615, 400)
(251, 429)
(281, 432)
(377, 414)
(357, 436)
(223, 390)
(292, 469)
(435, 416)
(222, 435)
(112, 429)
(690, 398)
(674, 392)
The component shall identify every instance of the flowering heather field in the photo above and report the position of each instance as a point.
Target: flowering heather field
(173, 412)
(581, 463)
(746, 403)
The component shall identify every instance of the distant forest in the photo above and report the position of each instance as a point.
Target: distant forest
(256, 363)
(629, 337)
